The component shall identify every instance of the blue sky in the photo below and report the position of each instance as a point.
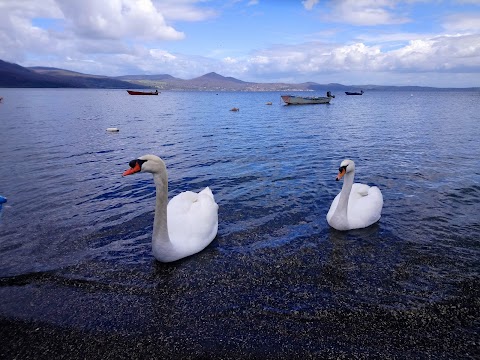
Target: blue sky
(384, 42)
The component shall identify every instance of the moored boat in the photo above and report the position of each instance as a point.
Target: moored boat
(354, 92)
(301, 100)
(133, 92)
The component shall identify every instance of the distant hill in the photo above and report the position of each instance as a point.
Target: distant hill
(13, 75)
(79, 80)
(215, 80)
(159, 81)
(212, 76)
(58, 72)
(211, 81)
(146, 77)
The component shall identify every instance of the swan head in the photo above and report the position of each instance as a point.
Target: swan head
(146, 163)
(347, 166)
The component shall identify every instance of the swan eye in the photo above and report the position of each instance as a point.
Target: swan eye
(133, 163)
(341, 168)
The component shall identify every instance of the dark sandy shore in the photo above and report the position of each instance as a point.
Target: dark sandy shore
(336, 299)
(447, 330)
(342, 299)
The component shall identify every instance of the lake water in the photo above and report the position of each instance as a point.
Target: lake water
(77, 276)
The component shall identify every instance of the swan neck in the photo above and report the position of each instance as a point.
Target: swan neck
(160, 224)
(345, 193)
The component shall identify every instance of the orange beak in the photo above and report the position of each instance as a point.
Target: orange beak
(133, 170)
(340, 174)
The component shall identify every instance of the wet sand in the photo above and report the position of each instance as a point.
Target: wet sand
(446, 330)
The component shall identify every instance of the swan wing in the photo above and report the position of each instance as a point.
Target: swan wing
(192, 220)
(364, 206)
(359, 191)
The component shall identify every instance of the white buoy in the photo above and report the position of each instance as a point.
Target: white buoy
(112, 129)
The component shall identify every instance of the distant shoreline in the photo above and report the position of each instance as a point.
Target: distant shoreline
(341, 92)
(16, 76)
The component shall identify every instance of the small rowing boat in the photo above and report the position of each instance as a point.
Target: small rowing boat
(132, 92)
(354, 93)
(301, 100)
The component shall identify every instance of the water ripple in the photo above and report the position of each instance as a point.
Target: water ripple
(74, 224)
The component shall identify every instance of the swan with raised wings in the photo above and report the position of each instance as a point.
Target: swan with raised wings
(357, 205)
(185, 225)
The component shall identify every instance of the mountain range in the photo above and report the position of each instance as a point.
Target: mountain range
(16, 76)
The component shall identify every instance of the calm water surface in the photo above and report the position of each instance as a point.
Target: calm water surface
(277, 281)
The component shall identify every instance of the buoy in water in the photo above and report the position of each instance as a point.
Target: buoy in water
(3, 199)
(112, 129)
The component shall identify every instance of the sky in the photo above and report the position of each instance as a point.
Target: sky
(352, 42)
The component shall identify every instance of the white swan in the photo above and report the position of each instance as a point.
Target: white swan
(187, 224)
(357, 205)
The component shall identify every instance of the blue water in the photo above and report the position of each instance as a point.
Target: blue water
(75, 235)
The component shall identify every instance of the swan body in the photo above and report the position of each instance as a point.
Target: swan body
(185, 225)
(357, 205)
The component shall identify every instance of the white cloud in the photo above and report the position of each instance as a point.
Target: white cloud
(162, 55)
(17, 32)
(230, 60)
(445, 53)
(92, 32)
(365, 12)
(259, 59)
(115, 19)
(314, 57)
(28, 9)
(462, 22)
(309, 4)
(185, 10)
(455, 54)
(105, 37)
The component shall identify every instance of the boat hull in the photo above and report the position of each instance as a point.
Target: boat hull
(304, 100)
(353, 93)
(132, 92)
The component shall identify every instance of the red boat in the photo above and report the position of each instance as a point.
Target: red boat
(132, 92)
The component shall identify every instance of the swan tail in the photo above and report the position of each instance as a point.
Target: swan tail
(207, 192)
(372, 206)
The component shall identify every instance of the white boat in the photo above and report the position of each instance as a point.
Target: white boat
(300, 100)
